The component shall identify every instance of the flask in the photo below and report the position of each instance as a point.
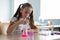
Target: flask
(31, 34)
(24, 35)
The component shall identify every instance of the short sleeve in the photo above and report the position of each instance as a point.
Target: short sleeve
(14, 19)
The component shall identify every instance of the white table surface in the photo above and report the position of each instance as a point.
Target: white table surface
(47, 36)
(36, 37)
(43, 33)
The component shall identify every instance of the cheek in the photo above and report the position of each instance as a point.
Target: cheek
(23, 14)
(27, 15)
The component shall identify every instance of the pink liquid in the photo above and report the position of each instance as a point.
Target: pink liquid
(24, 35)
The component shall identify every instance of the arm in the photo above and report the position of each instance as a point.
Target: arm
(35, 30)
(15, 25)
(12, 26)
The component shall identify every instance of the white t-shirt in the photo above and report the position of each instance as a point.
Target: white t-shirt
(20, 27)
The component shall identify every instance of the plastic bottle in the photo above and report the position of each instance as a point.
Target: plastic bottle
(52, 30)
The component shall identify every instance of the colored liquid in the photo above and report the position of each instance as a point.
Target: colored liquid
(31, 33)
(24, 35)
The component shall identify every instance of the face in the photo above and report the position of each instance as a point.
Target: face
(26, 12)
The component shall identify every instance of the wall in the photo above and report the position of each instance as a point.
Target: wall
(36, 8)
(49, 11)
(6, 10)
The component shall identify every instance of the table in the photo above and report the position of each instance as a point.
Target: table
(37, 36)
(43, 28)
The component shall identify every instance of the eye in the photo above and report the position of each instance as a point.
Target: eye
(27, 12)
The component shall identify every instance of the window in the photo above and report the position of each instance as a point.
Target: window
(49, 9)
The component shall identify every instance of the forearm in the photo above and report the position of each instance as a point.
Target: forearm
(12, 27)
(35, 30)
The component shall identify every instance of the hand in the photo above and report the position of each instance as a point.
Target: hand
(23, 21)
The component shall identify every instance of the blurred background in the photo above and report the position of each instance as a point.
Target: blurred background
(9, 7)
(44, 10)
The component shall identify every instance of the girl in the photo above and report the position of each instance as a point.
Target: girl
(23, 15)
